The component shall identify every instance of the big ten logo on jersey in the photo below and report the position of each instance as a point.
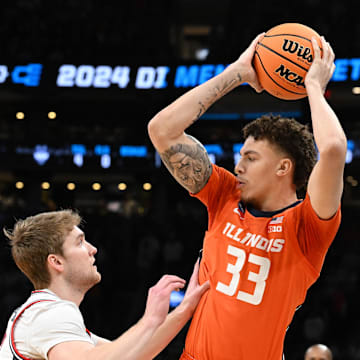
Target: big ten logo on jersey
(275, 225)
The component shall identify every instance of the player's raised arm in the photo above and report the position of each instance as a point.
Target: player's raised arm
(183, 155)
(134, 344)
(326, 180)
(177, 318)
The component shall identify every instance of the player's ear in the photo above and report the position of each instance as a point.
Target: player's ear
(285, 167)
(55, 262)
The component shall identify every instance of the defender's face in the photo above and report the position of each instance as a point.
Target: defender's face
(79, 260)
(256, 170)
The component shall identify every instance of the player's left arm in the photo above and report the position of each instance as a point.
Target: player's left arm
(325, 184)
(178, 318)
(99, 340)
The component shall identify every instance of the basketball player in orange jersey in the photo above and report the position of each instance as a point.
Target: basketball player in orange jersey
(264, 246)
(52, 251)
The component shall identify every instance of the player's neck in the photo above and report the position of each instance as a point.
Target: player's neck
(277, 200)
(269, 208)
(66, 292)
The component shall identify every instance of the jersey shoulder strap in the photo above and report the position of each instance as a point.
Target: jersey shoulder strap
(15, 352)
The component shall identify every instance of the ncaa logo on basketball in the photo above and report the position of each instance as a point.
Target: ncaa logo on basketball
(294, 47)
(290, 76)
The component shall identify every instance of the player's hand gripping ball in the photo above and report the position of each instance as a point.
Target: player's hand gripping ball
(282, 59)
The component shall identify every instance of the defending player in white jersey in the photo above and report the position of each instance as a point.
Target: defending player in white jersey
(51, 250)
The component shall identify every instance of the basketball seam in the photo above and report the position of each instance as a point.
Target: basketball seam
(298, 36)
(284, 57)
(293, 92)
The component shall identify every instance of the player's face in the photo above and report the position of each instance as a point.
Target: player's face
(79, 261)
(256, 170)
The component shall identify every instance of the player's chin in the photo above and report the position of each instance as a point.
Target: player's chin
(96, 277)
(244, 197)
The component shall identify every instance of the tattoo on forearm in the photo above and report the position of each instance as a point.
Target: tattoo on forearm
(189, 164)
(214, 94)
(201, 111)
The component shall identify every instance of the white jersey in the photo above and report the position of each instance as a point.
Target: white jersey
(42, 322)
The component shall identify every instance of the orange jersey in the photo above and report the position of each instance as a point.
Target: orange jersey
(260, 266)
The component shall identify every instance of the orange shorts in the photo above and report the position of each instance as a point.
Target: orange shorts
(186, 356)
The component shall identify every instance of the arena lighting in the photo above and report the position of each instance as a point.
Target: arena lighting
(45, 185)
(78, 160)
(20, 115)
(105, 161)
(352, 181)
(236, 150)
(350, 151)
(214, 149)
(52, 115)
(41, 154)
(157, 160)
(96, 186)
(133, 151)
(221, 116)
(78, 150)
(176, 297)
(102, 150)
(356, 90)
(70, 186)
(19, 185)
(212, 158)
(147, 186)
(201, 54)
(122, 186)
(237, 147)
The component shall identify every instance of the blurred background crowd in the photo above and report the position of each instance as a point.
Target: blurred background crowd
(142, 222)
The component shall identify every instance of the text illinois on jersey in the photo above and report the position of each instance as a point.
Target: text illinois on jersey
(254, 240)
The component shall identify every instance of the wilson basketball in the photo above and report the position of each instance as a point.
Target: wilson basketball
(282, 59)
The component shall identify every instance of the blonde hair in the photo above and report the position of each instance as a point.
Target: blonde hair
(34, 238)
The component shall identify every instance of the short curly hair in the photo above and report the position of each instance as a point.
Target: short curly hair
(293, 138)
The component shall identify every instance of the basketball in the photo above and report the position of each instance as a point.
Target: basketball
(282, 59)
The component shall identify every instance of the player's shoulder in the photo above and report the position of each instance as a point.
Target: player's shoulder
(299, 207)
(43, 306)
(220, 176)
(222, 171)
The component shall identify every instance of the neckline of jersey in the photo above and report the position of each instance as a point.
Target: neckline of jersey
(46, 291)
(269, 214)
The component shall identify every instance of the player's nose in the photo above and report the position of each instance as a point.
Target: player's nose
(239, 168)
(92, 249)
